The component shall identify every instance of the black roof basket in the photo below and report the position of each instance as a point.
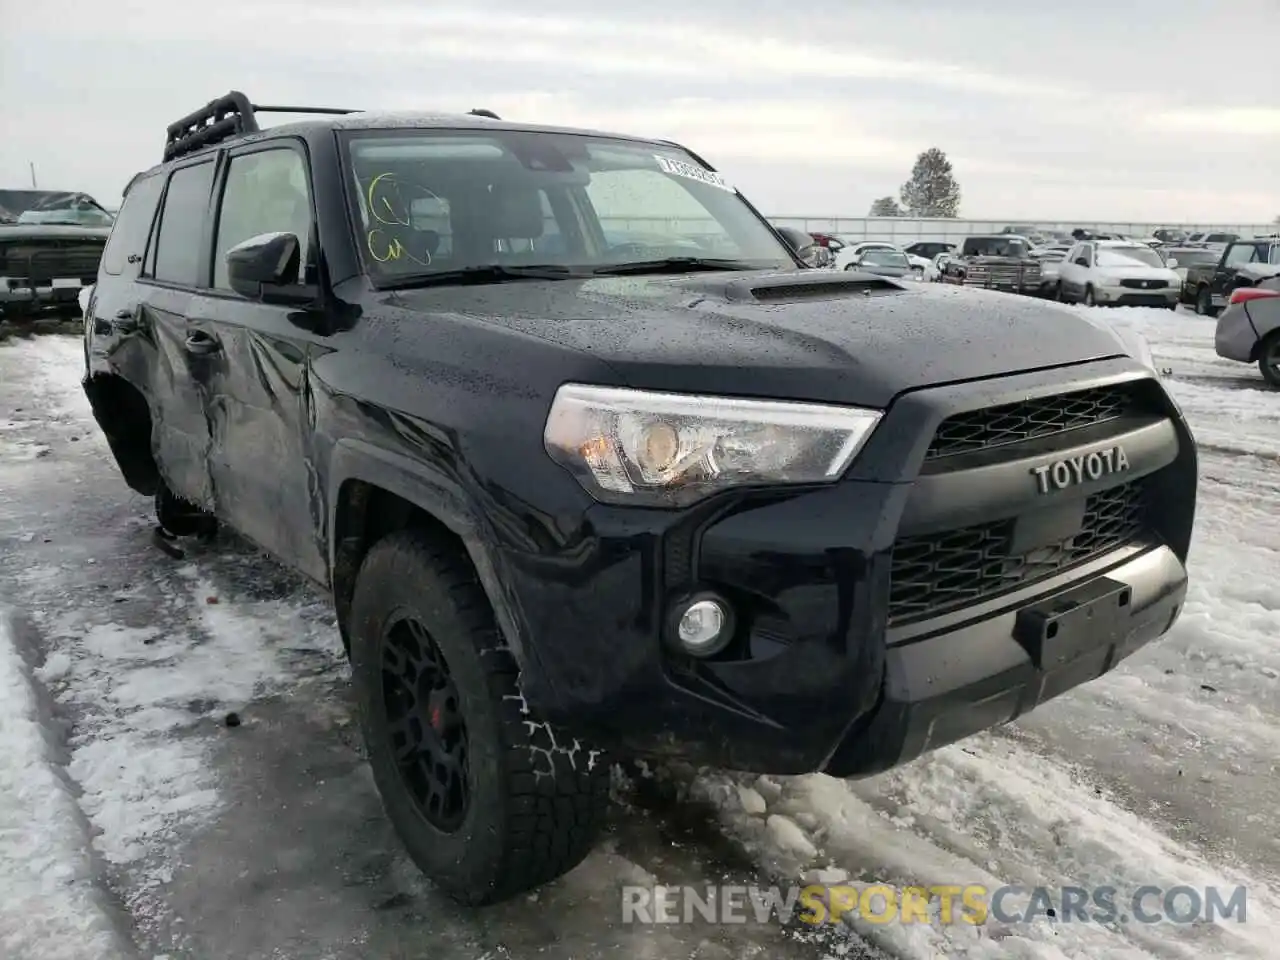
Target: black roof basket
(222, 119)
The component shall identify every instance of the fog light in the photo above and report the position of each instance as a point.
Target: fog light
(704, 627)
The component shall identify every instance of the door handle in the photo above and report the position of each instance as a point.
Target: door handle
(202, 344)
(126, 321)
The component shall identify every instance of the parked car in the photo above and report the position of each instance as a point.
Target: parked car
(882, 262)
(851, 251)
(1117, 273)
(1169, 236)
(928, 249)
(1050, 258)
(996, 262)
(619, 502)
(1180, 259)
(1249, 329)
(49, 250)
(1242, 263)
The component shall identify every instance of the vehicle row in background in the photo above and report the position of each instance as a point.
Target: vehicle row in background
(50, 246)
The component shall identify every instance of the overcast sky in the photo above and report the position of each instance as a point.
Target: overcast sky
(1144, 110)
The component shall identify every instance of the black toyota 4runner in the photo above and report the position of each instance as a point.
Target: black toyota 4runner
(595, 469)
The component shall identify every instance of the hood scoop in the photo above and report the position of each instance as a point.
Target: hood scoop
(793, 286)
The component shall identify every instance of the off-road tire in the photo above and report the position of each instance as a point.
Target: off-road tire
(180, 518)
(537, 797)
(1266, 352)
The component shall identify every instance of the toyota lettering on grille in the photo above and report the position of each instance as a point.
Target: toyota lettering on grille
(1061, 474)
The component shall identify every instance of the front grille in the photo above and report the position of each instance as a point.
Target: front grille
(1014, 275)
(1144, 284)
(1031, 419)
(935, 573)
(40, 261)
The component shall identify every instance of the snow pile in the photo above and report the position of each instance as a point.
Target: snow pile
(50, 908)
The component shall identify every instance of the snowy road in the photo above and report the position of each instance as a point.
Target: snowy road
(135, 821)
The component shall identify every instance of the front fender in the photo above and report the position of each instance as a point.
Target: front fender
(443, 498)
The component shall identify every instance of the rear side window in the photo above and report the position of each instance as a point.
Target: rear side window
(133, 225)
(177, 258)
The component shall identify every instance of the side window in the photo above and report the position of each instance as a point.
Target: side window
(624, 200)
(266, 192)
(1241, 253)
(1086, 251)
(177, 247)
(133, 225)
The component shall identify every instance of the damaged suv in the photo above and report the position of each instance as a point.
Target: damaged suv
(594, 468)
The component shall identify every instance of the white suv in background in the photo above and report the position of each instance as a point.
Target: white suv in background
(1117, 273)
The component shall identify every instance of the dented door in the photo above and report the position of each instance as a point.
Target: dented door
(257, 398)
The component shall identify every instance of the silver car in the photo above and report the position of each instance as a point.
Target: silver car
(884, 263)
(1249, 329)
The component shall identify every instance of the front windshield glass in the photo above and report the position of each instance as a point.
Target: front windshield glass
(1128, 257)
(73, 209)
(884, 258)
(995, 247)
(436, 201)
(1187, 258)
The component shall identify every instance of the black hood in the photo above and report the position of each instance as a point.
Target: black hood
(807, 335)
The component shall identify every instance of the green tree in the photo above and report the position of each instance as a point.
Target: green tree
(932, 190)
(886, 207)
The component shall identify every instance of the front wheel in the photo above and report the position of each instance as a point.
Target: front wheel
(1269, 360)
(1204, 303)
(488, 801)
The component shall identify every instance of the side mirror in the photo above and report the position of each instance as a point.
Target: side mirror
(1171, 263)
(818, 256)
(265, 268)
(1082, 261)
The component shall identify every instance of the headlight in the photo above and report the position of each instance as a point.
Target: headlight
(666, 449)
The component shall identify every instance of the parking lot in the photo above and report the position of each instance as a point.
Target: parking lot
(216, 802)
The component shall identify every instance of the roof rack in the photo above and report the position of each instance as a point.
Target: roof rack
(222, 119)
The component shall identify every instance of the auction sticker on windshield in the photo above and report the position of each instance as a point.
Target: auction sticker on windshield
(680, 168)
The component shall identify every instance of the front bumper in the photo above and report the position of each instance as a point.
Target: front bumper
(1132, 297)
(20, 299)
(822, 678)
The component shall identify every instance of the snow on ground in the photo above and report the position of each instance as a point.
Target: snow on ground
(49, 904)
(1162, 773)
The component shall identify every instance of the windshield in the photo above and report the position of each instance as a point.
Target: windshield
(884, 258)
(438, 201)
(76, 209)
(1128, 257)
(1187, 258)
(995, 247)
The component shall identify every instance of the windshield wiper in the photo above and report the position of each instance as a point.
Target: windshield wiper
(484, 273)
(673, 265)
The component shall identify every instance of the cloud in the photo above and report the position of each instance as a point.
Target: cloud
(1233, 121)
(1040, 114)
